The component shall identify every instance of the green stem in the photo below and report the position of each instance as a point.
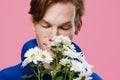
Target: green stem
(38, 75)
(53, 75)
(56, 59)
(66, 74)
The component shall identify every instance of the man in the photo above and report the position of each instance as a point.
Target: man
(50, 18)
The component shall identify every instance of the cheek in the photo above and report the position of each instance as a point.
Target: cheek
(41, 32)
(41, 35)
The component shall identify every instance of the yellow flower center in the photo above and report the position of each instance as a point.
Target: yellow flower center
(43, 56)
(32, 56)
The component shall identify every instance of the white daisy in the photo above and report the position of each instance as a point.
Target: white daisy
(26, 61)
(84, 62)
(71, 54)
(76, 66)
(72, 47)
(62, 39)
(44, 56)
(46, 65)
(87, 77)
(64, 61)
(31, 56)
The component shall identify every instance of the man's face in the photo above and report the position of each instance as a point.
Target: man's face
(58, 20)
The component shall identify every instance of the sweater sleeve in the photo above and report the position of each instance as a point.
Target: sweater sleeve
(96, 77)
(11, 73)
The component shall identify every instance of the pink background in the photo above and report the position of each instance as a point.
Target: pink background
(99, 37)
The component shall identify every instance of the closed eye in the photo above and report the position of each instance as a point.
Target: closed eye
(66, 27)
(44, 24)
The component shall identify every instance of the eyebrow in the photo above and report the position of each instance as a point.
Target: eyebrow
(65, 23)
(44, 21)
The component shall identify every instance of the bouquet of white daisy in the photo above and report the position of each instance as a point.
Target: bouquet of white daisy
(69, 64)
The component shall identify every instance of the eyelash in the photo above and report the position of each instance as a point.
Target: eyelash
(59, 27)
(64, 28)
(45, 26)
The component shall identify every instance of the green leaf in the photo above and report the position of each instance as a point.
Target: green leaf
(28, 76)
(58, 68)
(56, 71)
(59, 78)
(71, 75)
(46, 71)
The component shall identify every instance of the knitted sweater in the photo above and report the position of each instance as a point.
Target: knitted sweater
(15, 72)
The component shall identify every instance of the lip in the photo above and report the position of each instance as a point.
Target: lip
(45, 45)
(49, 50)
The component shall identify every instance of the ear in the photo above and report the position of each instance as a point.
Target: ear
(78, 27)
(33, 23)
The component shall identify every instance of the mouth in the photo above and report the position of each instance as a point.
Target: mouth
(45, 46)
(49, 50)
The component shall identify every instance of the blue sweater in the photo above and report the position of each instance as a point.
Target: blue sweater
(15, 72)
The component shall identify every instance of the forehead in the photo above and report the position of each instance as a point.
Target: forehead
(60, 13)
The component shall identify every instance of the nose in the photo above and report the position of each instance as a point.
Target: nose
(54, 32)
